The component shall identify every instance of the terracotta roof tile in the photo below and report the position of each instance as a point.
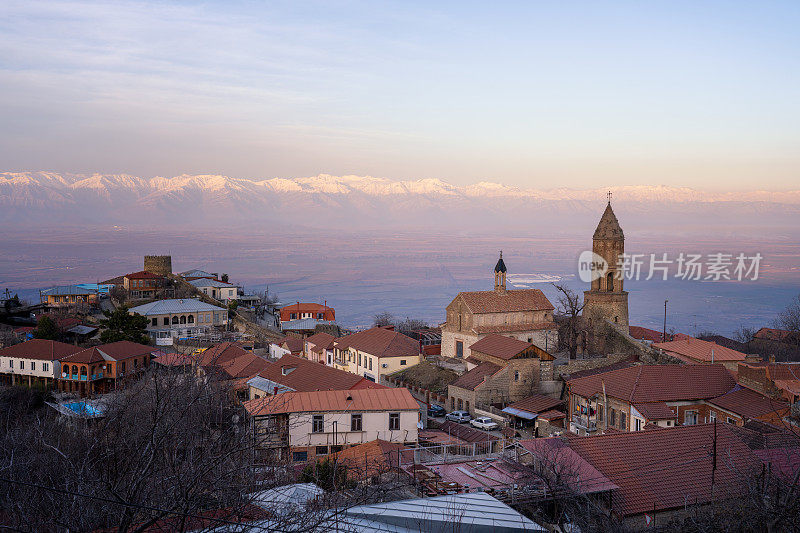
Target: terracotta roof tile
(554, 454)
(292, 343)
(386, 399)
(657, 383)
(373, 458)
(143, 274)
(115, 351)
(40, 349)
(696, 350)
(380, 342)
(480, 302)
(537, 403)
(309, 376)
(647, 334)
(474, 377)
(500, 346)
(748, 403)
(655, 411)
(664, 468)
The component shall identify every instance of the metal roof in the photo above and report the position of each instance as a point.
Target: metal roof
(81, 330)
(302, 324)
(205, 282)
(267, 385)
(167, 307)
(520, 413)
(67, 290)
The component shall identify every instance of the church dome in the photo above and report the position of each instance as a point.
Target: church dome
(609, 227)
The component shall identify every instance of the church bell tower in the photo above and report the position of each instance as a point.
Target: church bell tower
(606, 299)
(500, 275)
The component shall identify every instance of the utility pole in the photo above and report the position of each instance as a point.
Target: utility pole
(714, 461)
(664, 331)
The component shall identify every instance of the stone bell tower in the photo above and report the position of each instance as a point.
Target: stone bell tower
(606, 299)
(500, 275)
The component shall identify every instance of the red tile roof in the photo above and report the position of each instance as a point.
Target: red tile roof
(657, 383)
(748, 403)
(174, 359)
(553, 454)
(474, 377)
(385, 399)
(552, 415)
(480, 302)
(292, 343)
(115, 351)
(307, 376)
(537, 403)
(500, 346)
(380, 342)
(143, 274)
(771, 334)
(665, 468)
(655, 411)
(221, 353)
(696, 350)
(373, 458)
(647, 334)
(321, 341)
(40, 349)
(785, 371)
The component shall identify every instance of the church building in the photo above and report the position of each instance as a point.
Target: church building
(524, 314)
(606, 300)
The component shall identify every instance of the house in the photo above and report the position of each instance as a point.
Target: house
(742, 405)
(695, 351)
(99, 369)
(376, 352)
(648, 335)
(169, 319)
(143, 284)
(319, 348)
(629, 398)
(69, 296)
(299, 311)
(430, 340)
(309, 425)
(776, 380)
(659, 471)
(527, 414)
(297, 374)
(229, 361)
(524, 314)
(219, 290)
(33, 363)
(501, 370)
(289, 345)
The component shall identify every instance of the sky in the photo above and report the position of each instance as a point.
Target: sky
(533, 94)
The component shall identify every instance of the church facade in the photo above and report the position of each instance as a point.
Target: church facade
(606, 299)
(525, 314)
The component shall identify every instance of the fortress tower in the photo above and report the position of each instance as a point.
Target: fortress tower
(158, 264)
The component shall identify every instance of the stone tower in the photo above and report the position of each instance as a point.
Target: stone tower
(500, 275)
(606, 299)
(158, 264)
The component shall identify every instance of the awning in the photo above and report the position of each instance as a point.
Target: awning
(520, 413)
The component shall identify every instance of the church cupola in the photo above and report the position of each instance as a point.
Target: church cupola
(500, 274)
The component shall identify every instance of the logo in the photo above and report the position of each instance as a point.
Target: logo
(591, 266)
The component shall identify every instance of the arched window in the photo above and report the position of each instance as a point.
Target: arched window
(83, 371)
(190, 319)
(610, 281)
(183, 319)
(516, 375)
(74, 370)
(174, 320)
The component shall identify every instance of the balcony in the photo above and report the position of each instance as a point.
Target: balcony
(585, 423)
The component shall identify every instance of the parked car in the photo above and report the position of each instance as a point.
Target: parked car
(485, 423)
(436, 410)
(459, 416)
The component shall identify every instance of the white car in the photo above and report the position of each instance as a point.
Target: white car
(485, 423)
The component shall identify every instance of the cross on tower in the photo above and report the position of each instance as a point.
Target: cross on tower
(609, 196)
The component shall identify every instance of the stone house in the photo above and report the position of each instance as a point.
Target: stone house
(524, 314)
(501, 370)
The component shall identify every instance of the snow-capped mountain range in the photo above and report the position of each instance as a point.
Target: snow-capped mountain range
(350, 200)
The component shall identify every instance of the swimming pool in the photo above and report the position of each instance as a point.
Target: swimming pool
(83, 408)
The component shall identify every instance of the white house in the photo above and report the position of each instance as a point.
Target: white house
(170, 319)
(313, 424)
(34, 362)
(219, 290)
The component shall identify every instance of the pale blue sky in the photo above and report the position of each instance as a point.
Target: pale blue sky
(536, 94)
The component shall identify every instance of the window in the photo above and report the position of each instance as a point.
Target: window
(359, 360)
(459, 349)
(610, 281)
(166, 321)
(622, 421)
(154, 322)
(11, 363)
(402, 362)
(175, 320)
(370, 363)
(293, 316)
(731, 420)
(394, 421)
(33, 365)
(22, 365)
(122, 366)
(638, 424)
(355, 422)
(45, 367)
(452, 403)
(135, 364)
(190, 319)
(319, 316)
(318, 424)
(299, 457)
(690, 418)
(460, 404)
(612, 415)
(599, 413)
(516, 375)
(183, 319)
(322, 450)
(712, 416)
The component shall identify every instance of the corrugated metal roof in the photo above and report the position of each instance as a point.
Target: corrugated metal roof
(302, 324)
(520, 413)
(204, 282)
(385, 399)
(67, 290)
(168, 307)
(267, 385)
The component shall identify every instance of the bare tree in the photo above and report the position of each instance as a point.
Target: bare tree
(383, 319)
(570, 306)
(789, 318)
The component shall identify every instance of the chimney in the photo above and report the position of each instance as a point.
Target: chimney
(275, 391)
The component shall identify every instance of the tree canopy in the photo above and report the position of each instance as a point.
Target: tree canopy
(122, 326)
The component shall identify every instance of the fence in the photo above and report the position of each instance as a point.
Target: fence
(452, 453)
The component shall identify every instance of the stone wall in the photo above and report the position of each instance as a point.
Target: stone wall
(158, 264)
